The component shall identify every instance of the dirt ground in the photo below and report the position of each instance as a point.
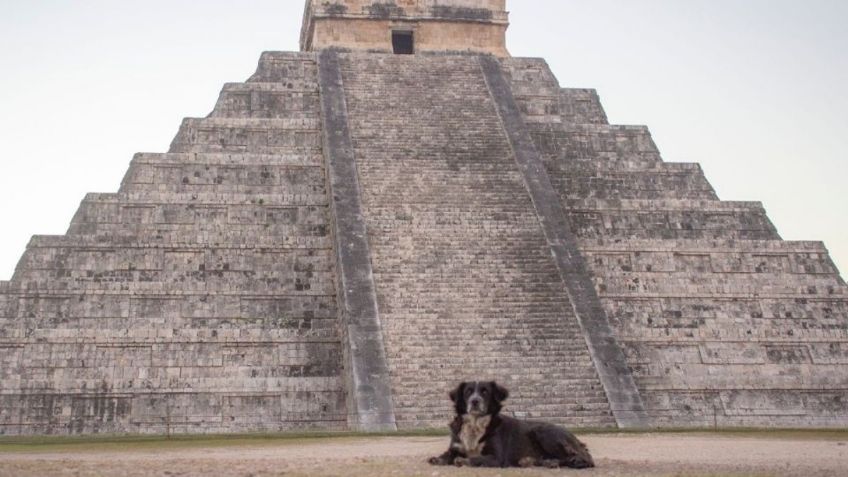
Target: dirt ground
(669, 454)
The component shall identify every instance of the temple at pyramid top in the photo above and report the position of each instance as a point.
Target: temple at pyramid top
(406, 26)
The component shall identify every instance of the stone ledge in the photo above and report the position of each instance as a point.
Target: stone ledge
(725, 296)
(651, 205)
(219, 199)
(717, 246)
(609, 167)
(276, 56)
(159, 336)
(172, 292)
(89, 242)
(298, 86)
(257, 124)
(227, 159)
(154, 288)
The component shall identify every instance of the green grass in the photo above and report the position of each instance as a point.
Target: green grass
(143, 442)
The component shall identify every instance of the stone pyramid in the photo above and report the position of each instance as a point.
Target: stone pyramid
(351, 231)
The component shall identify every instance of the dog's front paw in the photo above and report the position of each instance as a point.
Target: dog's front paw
(438, 461)
(462, 462)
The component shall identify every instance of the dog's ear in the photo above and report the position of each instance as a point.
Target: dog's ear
(457, 393)
(501, 393)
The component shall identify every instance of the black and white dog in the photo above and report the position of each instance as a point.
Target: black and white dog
(482, 437)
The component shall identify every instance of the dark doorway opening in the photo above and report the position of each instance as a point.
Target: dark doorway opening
(402, 43)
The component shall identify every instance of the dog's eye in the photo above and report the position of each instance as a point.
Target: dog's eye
(484, 391)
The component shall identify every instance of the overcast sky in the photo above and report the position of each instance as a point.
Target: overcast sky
(754, 90)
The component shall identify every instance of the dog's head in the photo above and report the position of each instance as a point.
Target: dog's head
(478, 398)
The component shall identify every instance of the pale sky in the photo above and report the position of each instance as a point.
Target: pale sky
(754, 90)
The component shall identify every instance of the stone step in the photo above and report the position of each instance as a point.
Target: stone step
(129, 242)
(19, 291)
(490, 352)
(783, 376)
(219, 352)
(530, 76)
(229, 160)
(208, 210)
(669, 219)
(259, 235)
(575, 182)
(716, 284)
(550, 395)
(17, 333)
(204, 329)
(277, 174)
(187, 412)
(704, 256)
(282, 282)
(181, 199)
(556, 106)
(595, 143)
(310, 221)
(581, 106)
(71, 244)
(190, 236)
(592, 168)
(167, 379)
(653, 355)
(291, 100)
(206, 216)
(696, 246)
(280, 67)
(218, 282)
(237, 135)
(202, 186)
(813, 313)
(224, 173)
(290, 87)
(173, 259)
(205, 325)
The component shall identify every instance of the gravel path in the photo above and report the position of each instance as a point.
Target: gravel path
(616, 455)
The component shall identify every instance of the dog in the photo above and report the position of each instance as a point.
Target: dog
(482, 437)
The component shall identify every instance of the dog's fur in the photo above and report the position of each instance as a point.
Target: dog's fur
(482, 437)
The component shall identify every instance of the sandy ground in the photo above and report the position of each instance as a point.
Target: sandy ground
(615, 454)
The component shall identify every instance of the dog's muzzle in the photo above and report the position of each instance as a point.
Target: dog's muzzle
(476, 405)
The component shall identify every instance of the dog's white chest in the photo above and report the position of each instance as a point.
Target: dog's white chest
(472, 432)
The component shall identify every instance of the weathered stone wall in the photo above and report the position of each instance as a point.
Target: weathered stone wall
(723, 323)
(465, 281)
(199, 298)
(512, 233)
(477, 26)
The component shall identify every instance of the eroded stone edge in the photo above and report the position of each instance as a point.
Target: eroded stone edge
(615, 375)
(370, 403)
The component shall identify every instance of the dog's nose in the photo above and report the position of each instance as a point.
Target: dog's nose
(475, 402)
